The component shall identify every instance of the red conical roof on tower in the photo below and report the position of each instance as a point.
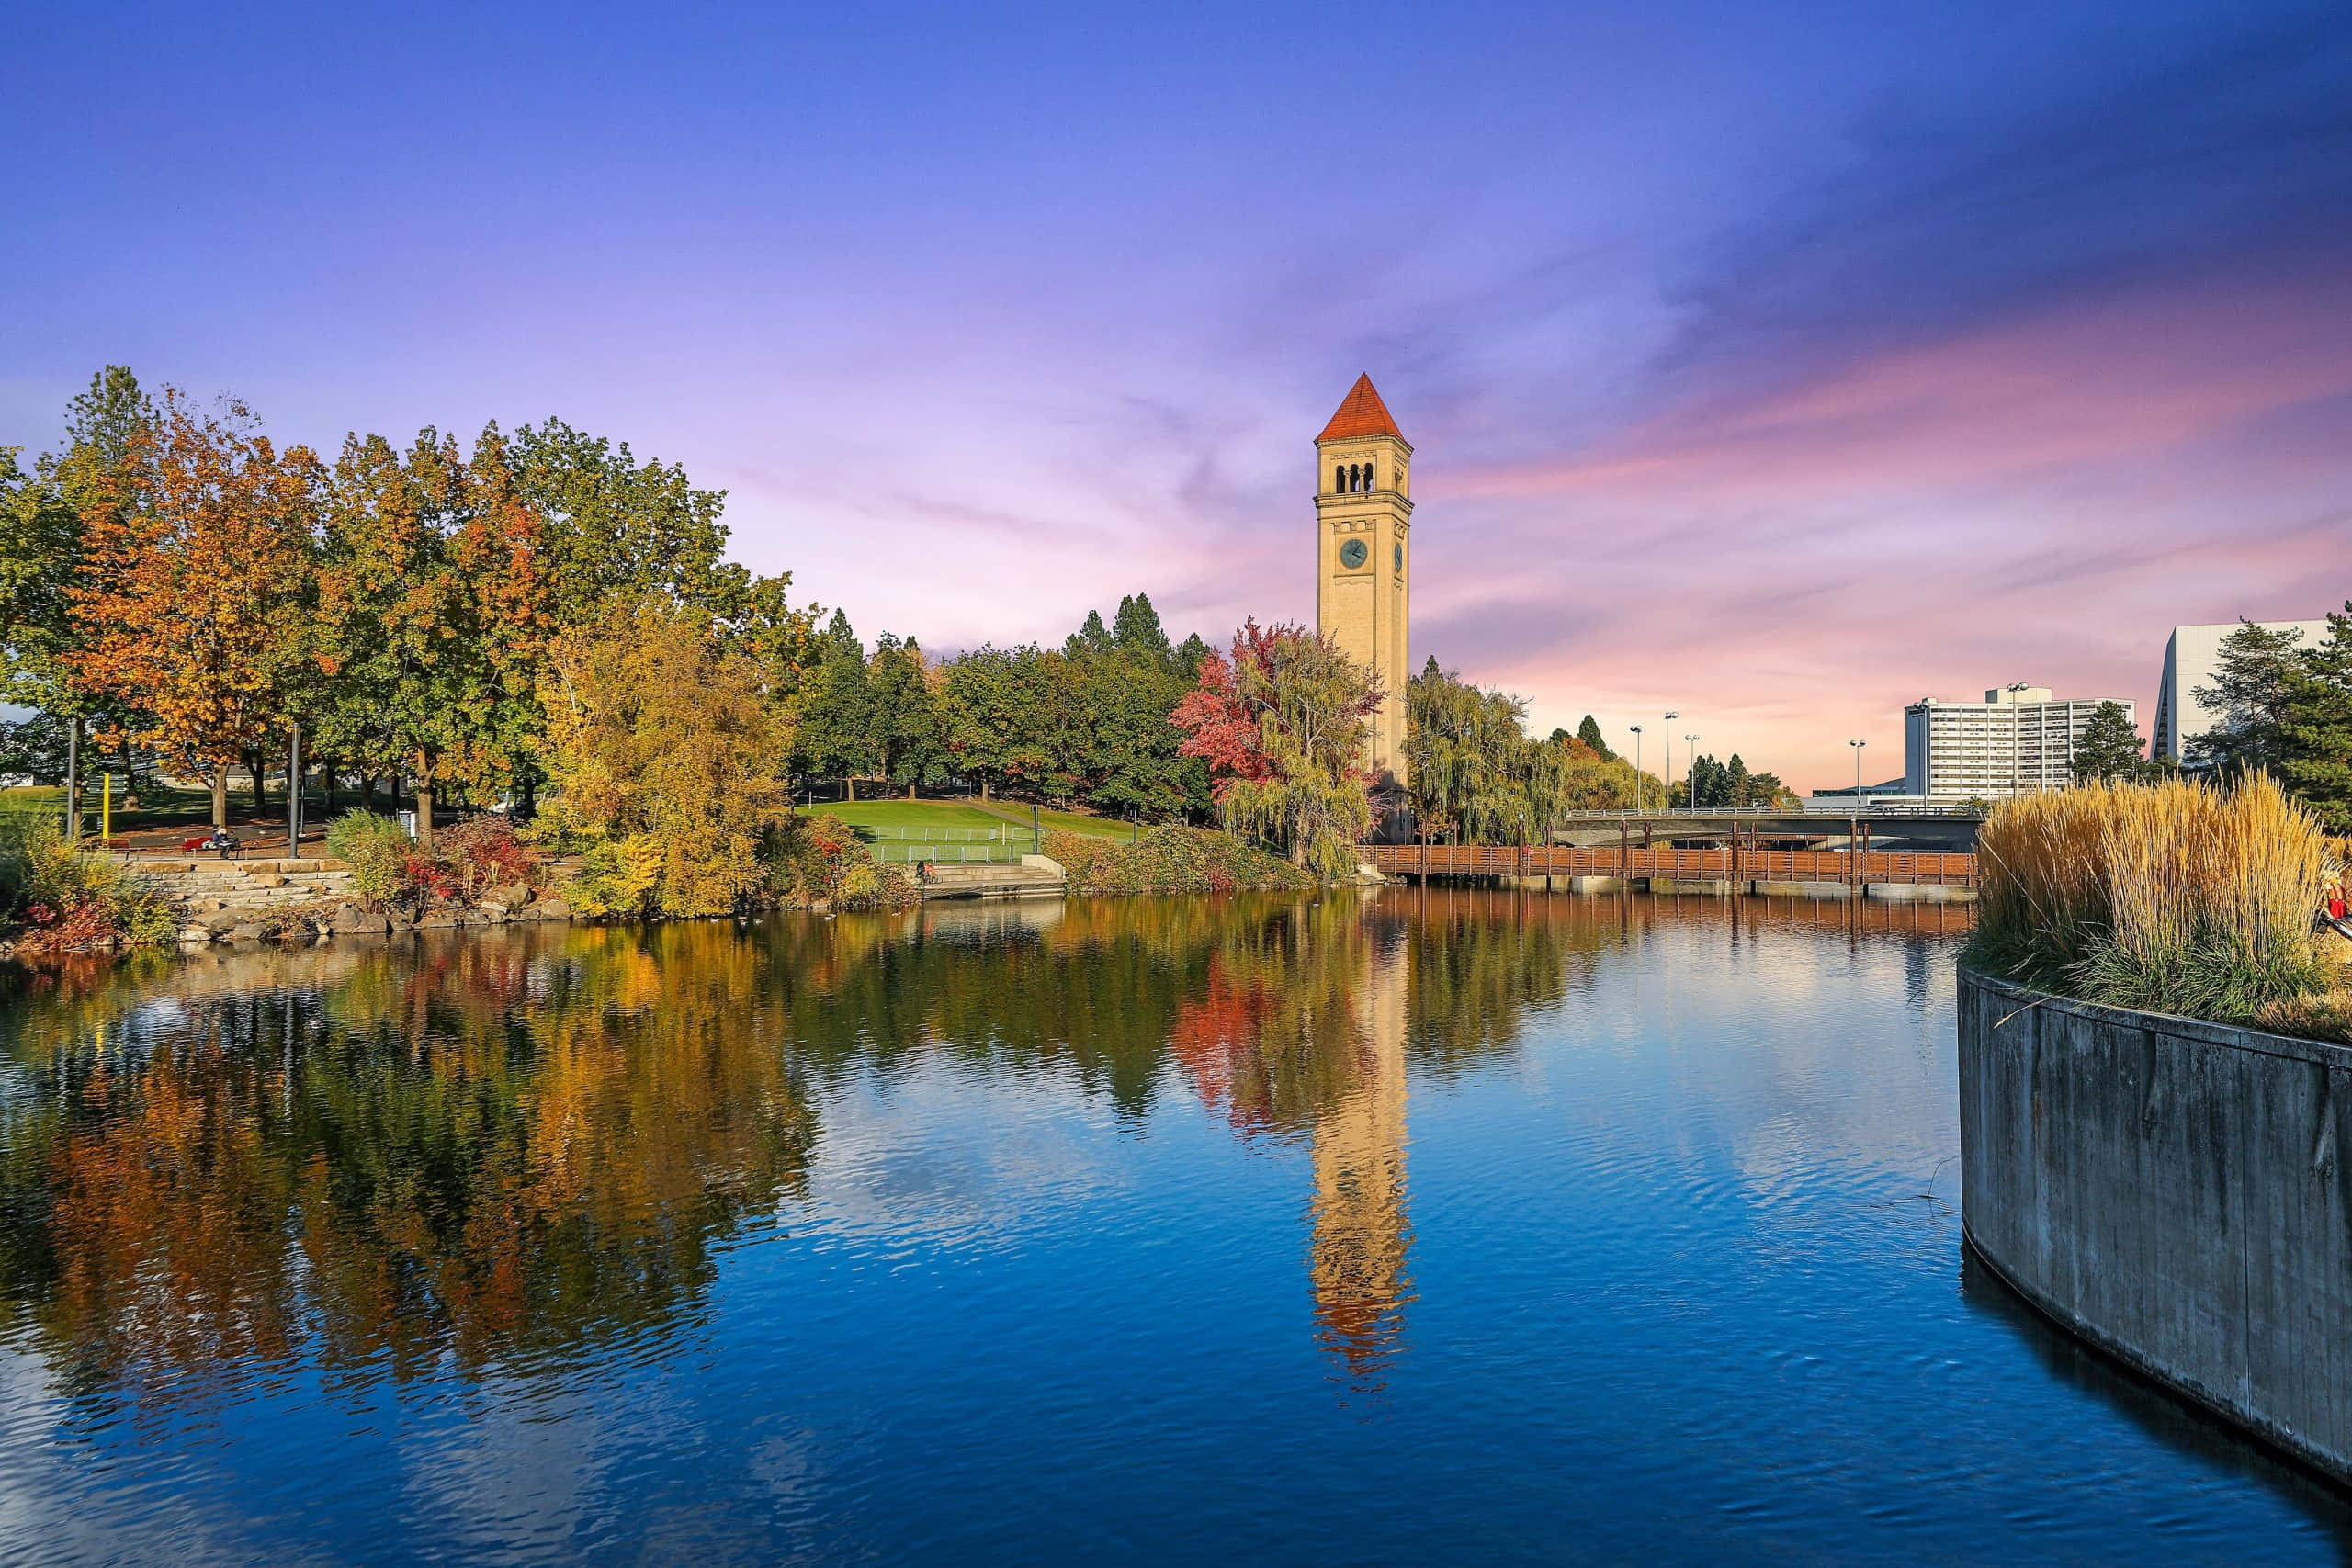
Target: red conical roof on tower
(1361, 413)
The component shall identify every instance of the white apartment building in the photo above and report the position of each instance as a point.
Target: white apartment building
(2016, 742)
(2190, 654)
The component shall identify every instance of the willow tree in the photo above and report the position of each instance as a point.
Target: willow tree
(1284, 723)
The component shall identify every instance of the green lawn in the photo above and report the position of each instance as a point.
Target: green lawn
(923, 815)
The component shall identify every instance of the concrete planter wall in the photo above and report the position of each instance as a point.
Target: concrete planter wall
(2173, 1192)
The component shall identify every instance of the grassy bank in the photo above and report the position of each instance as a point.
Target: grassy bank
(1168, 859)
(2178, 899)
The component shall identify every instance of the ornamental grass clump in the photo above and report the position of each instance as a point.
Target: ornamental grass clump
(2181, 898)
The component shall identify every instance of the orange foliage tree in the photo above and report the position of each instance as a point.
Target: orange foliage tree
(189, 605)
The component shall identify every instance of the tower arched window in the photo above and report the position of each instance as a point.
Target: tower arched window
(1340, 479)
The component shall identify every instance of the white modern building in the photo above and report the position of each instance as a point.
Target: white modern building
(2018, 740)
(2190, 654)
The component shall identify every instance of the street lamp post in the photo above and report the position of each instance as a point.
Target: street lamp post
(1694, 771)
(1668, 802)
(1858, 745)
(1637, 769)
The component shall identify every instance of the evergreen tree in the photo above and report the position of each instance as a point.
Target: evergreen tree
(2109, 747)
(1589, 733)
(2317, 735)
(836, 734)
(2249, 688)
(1092, 638)
(1737, 784)
(1137, 629)
(904, 722)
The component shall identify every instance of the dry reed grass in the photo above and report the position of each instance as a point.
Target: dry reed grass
(2179, 897)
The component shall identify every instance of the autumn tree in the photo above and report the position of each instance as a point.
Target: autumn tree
(1283, 723)
(665, 762)
(432, 614)
(196, 559)
(42, 555)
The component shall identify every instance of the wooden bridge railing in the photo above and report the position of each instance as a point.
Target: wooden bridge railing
(1742, 864)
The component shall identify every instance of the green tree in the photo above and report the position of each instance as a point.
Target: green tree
(1589, 733)
(906, 725)
(618, 529)
(2316, 736)
(2109, 747)
(1093, 636)
(2250, 691)
(984, 713)
(1136, 630)
(432, 616)
(835, 738)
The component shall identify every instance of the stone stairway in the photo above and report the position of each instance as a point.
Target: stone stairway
(1034, 876)
(207, 886)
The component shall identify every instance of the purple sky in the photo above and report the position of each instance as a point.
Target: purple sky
(1778, 365)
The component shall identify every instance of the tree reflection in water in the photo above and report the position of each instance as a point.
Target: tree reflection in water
(501, 1146)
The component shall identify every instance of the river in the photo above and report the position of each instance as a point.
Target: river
(1408, 1227)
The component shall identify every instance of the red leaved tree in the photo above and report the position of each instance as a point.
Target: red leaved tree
(1284, 722)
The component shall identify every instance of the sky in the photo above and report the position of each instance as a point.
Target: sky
(1776, 365)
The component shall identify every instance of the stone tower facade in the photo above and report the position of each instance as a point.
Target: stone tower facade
(1363, 511)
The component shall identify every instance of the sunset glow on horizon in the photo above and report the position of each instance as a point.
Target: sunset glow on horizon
(1778, 366)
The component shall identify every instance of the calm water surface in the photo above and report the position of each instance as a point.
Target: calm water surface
(1412, 1227)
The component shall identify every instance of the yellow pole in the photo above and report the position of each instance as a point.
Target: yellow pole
(105, 811)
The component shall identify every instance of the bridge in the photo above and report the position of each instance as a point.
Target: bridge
(1742, 866)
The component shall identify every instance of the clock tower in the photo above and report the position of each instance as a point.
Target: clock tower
(1363, 511)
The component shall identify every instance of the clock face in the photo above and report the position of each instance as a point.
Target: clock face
(1352, 554)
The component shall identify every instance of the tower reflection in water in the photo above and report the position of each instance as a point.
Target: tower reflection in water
(1361, 1235)
(1299, 1032)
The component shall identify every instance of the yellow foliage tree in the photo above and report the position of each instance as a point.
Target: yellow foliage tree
(665, 758)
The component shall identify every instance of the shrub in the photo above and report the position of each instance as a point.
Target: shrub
(482, 852)
(67, 898)
(820, 859)
(378, 855)
(1169, 859)
(2179, 897)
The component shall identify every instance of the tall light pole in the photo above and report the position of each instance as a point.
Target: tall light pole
(1694, 771)
(1668, 802)
(1637, 769)
(1858, 745)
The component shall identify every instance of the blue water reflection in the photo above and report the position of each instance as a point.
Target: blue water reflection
(1414, 1226)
